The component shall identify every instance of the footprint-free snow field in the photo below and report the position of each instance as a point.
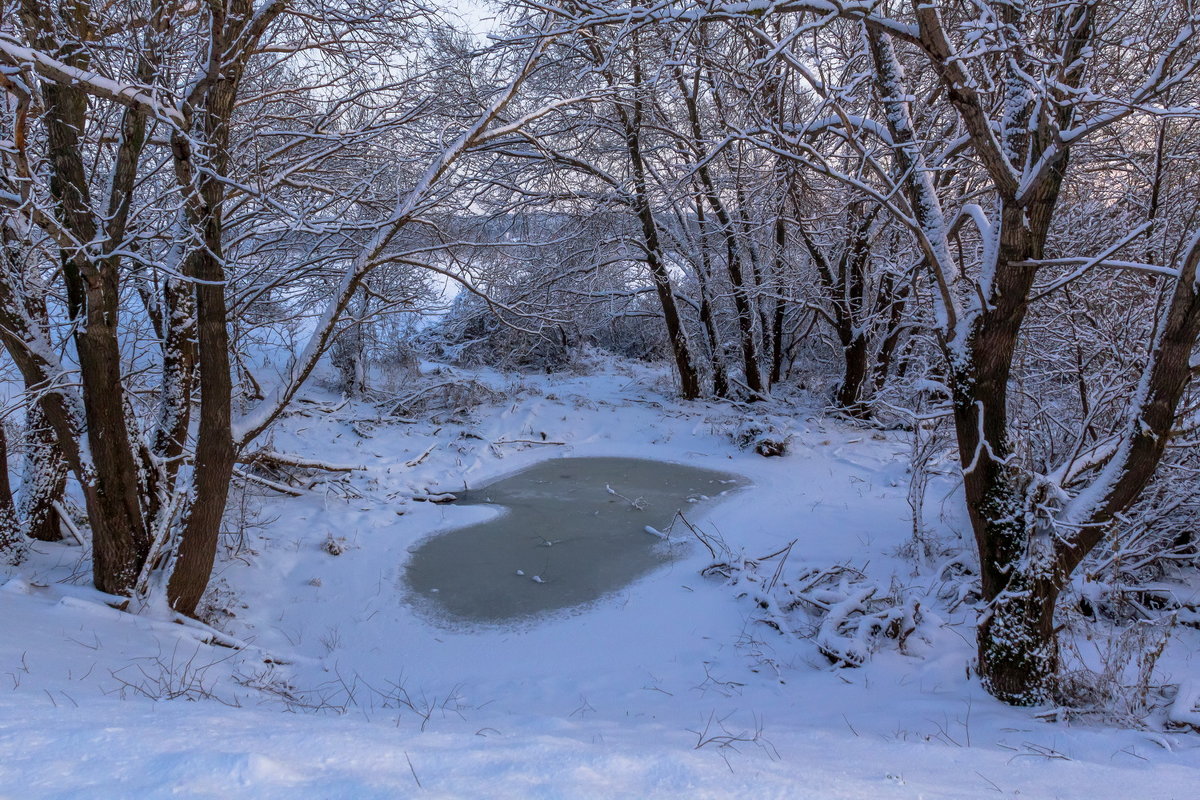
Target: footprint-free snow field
(690, 681)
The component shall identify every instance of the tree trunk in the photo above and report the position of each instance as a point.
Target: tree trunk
(215, 452)
(119, 537)
(1018, 651)
(214, 446)
(895, 304)
(178, 368)
(11, 540)
(857, 356)
(703, 274)
(741, 297)
(845, 286)
(745, 233)
(44, 478)
(1016, 645)
(689, 379)
(778, 313)
(742, 305)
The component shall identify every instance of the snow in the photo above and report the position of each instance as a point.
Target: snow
(668, 688)
(93, 82)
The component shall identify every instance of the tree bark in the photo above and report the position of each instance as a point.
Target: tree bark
(11, 540)
(780, 307)
(215, 450)
(1017, 654)
(703, 275)
(1018, 649)
(44, 477)
(119, 537)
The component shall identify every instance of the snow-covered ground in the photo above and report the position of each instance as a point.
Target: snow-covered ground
(673, 687)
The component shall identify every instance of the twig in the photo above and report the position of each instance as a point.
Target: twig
(282, 488)
(421, 457)
(697, 534)
(990, 781)
(413, 770)
(525, 441)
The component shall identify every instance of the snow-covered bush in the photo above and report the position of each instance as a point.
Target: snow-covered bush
(848, 616)
(1110, 674)
(443, 392)
(762, 436)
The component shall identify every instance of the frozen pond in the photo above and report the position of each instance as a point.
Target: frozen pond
(573, 530)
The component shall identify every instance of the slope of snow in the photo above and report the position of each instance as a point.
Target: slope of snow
(671, 687)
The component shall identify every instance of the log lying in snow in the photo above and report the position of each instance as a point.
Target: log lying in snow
(279, 465)
(435, 497)
(270, 458)
(276, 486)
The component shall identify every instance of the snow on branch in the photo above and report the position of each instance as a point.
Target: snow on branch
(592, 13)
(127, 94)
(373, 253)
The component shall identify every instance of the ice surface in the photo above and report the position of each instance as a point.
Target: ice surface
(578, 524)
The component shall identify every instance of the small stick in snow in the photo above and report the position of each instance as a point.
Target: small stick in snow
(421, 457)
(525, 441)
(413, 770)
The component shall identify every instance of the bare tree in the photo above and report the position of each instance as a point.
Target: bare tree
(1035, 82)
(146, 164)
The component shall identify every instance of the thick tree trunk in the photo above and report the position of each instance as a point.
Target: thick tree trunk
(119, 537)
(857, 359)
(347, 358)
(178, 374)
(239, 29)
(856, 343)
(1018, 651)
(214, 447)
(11, 540)
(1016, 645)
(124, 543)
(215, 452)
(114, 557)
(44, 478)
